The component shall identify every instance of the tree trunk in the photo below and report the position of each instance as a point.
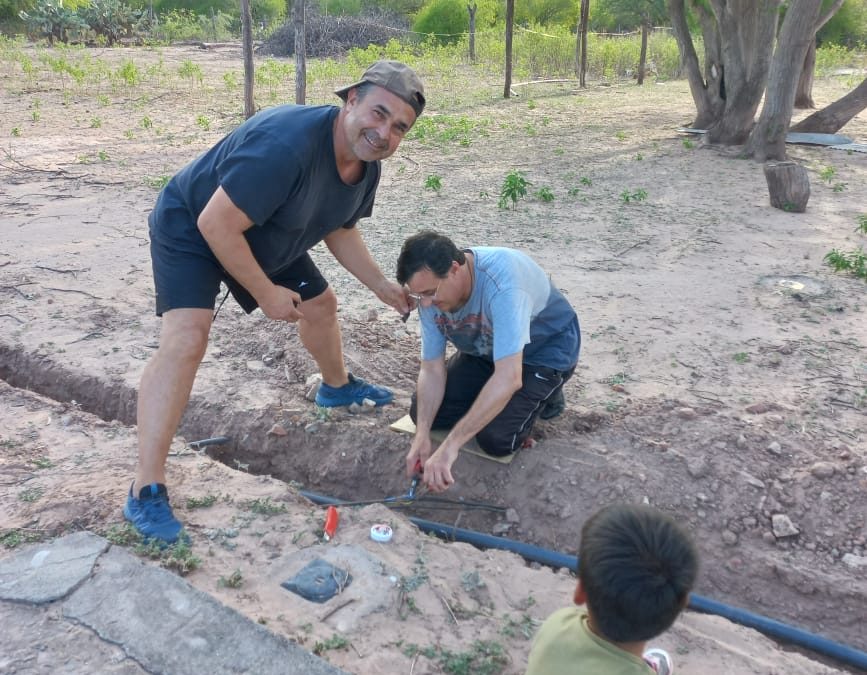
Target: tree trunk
(581, 46)
(747, 29)
(705, 94)
(788, 186)
(804, 92)
(510, 27)
(472, 10)
(247, 39)
(831, 119)
(768, 138)
(642, 58)
(300, 53)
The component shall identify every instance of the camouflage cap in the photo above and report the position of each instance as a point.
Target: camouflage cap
(396, 77)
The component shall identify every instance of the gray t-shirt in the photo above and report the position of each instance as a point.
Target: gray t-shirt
(513, 306)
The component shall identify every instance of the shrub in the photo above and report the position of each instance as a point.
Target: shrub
(445, 20)
(114, 20)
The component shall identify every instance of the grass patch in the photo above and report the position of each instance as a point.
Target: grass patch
(265, 507)
(201, 502)
(484, 657)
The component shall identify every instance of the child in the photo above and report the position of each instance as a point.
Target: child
(636, 568)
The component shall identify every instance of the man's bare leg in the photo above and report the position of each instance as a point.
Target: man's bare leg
(165, 389)
(320, 334)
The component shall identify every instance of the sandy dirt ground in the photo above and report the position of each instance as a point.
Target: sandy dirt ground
(723, 376)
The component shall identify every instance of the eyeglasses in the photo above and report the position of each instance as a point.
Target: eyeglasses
(428, 296)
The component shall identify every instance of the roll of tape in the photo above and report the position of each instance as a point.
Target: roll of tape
(381, 533)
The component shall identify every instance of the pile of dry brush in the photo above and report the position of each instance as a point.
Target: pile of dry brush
(335, 35)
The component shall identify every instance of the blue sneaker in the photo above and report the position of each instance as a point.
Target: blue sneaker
(151, 514)
(354, 391)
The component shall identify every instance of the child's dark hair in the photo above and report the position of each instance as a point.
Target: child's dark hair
(637, 568)
(427, 249)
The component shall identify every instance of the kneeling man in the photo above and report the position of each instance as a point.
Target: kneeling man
(517, 341)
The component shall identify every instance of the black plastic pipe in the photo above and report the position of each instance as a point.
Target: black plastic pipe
(776, 629)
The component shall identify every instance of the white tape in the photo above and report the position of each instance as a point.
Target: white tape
(381, 533)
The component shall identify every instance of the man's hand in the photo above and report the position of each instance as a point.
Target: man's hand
(281, 303)
(438, 469)
(393, 294)
(418, 453)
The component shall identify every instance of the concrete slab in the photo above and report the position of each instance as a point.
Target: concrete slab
(167, 626)
(50, 571)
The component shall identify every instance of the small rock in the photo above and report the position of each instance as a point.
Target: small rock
(368, 403)
(854, 562)
(784, 349)
(313, 427)
(822, 469)
(698, 467)
(782, 526)
(741, 441)
(760, 408)
(354, 408)
(501, 528)
(769, 538)
(277, 430)
(255, 366)
(512, 516)
(315, 378)
(729, 538)
(686, 413)
(372, 315)
(775, 448)
(752, 480)
(750, 522)
(619, 388)
(66, 420)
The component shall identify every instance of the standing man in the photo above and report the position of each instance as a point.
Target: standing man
(517, 339)
(245, 213)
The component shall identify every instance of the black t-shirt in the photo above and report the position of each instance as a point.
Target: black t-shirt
(278, 167)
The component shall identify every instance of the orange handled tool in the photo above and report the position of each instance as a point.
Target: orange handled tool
(331, 520)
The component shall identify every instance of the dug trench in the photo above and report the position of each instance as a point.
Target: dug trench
(711, 468)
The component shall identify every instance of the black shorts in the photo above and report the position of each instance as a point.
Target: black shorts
(190, 280)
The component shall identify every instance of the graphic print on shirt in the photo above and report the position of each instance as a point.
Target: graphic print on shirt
(471, 334)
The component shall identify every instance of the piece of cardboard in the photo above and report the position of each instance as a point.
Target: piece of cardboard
(405, 425)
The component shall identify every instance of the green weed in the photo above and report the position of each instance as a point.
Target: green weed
(514, 188)
(620, 135)
(16, 131)
(525, 626)
(179, 556)
(103, 156)
(688, 143)
(636, 196)
(95, 122)
(14, 538)
(545, 194)
(265, 507)
(862, 224)
(203, 122)
(43, 463)
(31, 494)
(827, 174)
(584, 180)
(741, 357)
(201, 502)
(146, 122)
(334, 642)
(484, 657)
(35, 115)
(234, 580)
(851, 262)
(193, 72)
(123, 535)
(433, 182)
(157, 182)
